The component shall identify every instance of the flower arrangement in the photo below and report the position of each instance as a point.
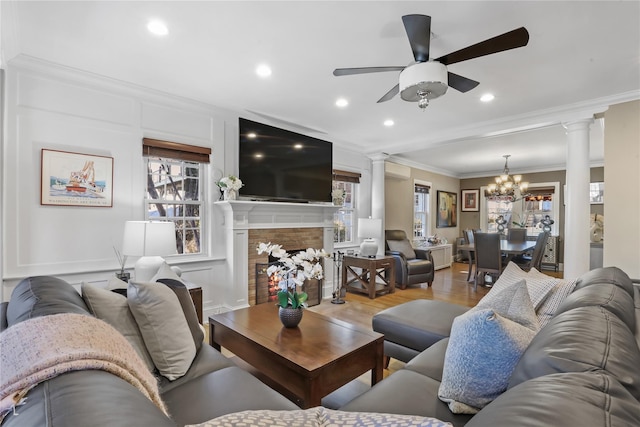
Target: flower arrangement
(337, 193)
(230, 182)
(292, 271)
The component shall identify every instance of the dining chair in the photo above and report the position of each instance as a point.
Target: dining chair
(517, 235)
(488, 256)
(535, 260)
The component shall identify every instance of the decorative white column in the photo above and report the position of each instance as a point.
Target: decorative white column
(577, 207)
(377, 193)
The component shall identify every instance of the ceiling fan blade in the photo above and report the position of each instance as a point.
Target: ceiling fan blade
(511, 40)
(393, 92)
(364, 70)
(418, 28)
(461, 83)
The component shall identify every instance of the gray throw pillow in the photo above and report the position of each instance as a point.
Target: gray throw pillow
(163, 326)
(114, 309)
(189, 310)
(402, 246)
(484, 348)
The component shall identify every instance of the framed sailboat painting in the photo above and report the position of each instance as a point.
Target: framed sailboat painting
(75, 179)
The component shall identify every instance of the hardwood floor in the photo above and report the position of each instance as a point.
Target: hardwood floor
(450, 284)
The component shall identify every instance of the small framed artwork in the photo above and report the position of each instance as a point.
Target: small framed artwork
(447, 209)
(596, 193)
(470, 200)
(74, 179)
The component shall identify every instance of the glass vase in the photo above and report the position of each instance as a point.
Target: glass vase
(230, 194)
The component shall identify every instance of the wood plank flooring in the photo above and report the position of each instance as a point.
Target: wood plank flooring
(450, 284)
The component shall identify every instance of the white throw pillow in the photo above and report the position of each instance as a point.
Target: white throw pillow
(538, 284)
(163, 326)
(560, 291)
(114, 309)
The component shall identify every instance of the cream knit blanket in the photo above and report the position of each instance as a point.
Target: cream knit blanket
(44, 347)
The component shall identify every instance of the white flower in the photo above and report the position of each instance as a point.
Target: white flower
(293, 270)
(230, 182)
(337, 193)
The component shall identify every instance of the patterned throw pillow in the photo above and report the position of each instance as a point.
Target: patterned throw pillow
(538, 284)
(484, 348)
(319, 417)
(560, 291)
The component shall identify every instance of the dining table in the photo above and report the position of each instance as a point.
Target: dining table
(511, 249)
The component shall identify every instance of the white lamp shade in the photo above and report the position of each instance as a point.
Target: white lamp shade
(149, 238)
(370, 227)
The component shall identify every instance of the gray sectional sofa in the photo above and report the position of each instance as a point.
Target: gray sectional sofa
(212, 386)
(581, 369)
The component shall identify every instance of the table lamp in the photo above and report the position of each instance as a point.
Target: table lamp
(150, 240)
(370, 229)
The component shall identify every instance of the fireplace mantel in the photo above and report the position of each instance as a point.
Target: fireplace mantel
(256, 214)
(242, 215)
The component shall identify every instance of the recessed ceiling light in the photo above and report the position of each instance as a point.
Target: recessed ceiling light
(158, 28)
(389, 122)
(263, 70)
(341, 102)
(487, 97)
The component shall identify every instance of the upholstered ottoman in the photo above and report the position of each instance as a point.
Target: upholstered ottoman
(411, 327)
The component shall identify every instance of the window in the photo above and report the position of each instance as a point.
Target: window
(421, 210)
(345, 218)
(542, 201)
(173, 179)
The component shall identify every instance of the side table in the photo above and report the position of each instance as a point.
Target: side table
(196, 295)
(366, 281)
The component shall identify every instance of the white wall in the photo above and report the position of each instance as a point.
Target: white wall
(58, 108)
(621, 244)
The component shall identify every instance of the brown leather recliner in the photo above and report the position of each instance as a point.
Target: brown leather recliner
(412, 266)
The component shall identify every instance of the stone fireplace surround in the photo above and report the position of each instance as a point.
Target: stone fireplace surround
(292, 225)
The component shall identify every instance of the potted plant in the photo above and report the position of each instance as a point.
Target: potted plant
(230, 186)
(291, 271)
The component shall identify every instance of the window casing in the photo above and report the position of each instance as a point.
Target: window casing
(529, 211)
(344, 219)
(174, 178)
(421, 203)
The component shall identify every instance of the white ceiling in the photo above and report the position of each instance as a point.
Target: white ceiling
(580, 55)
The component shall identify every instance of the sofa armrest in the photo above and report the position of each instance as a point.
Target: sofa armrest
(424, 254)
(3, 315)
(396, 254)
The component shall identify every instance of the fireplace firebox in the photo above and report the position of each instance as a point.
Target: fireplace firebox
(267, 287)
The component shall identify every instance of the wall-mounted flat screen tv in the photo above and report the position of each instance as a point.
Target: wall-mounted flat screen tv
(280, 165)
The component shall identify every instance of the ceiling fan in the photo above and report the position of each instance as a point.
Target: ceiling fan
(427, 79)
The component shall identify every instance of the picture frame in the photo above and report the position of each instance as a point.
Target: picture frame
(75, 179)
(596, 193)
(447, 215)
(470, 200)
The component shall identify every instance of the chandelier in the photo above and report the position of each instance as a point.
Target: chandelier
(505, 185)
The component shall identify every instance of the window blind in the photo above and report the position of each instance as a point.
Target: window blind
(419, 188)
(346, 176)
(175, 150)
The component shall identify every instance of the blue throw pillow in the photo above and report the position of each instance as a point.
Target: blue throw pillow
(484, 348)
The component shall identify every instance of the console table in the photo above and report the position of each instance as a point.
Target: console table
(371, 269)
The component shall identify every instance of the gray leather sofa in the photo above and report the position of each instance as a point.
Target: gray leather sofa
(581, 369)
(212, 386)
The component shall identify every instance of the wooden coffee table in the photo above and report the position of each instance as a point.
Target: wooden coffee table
(307, 362)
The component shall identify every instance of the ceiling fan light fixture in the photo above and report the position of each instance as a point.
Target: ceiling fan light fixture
(423, 80)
